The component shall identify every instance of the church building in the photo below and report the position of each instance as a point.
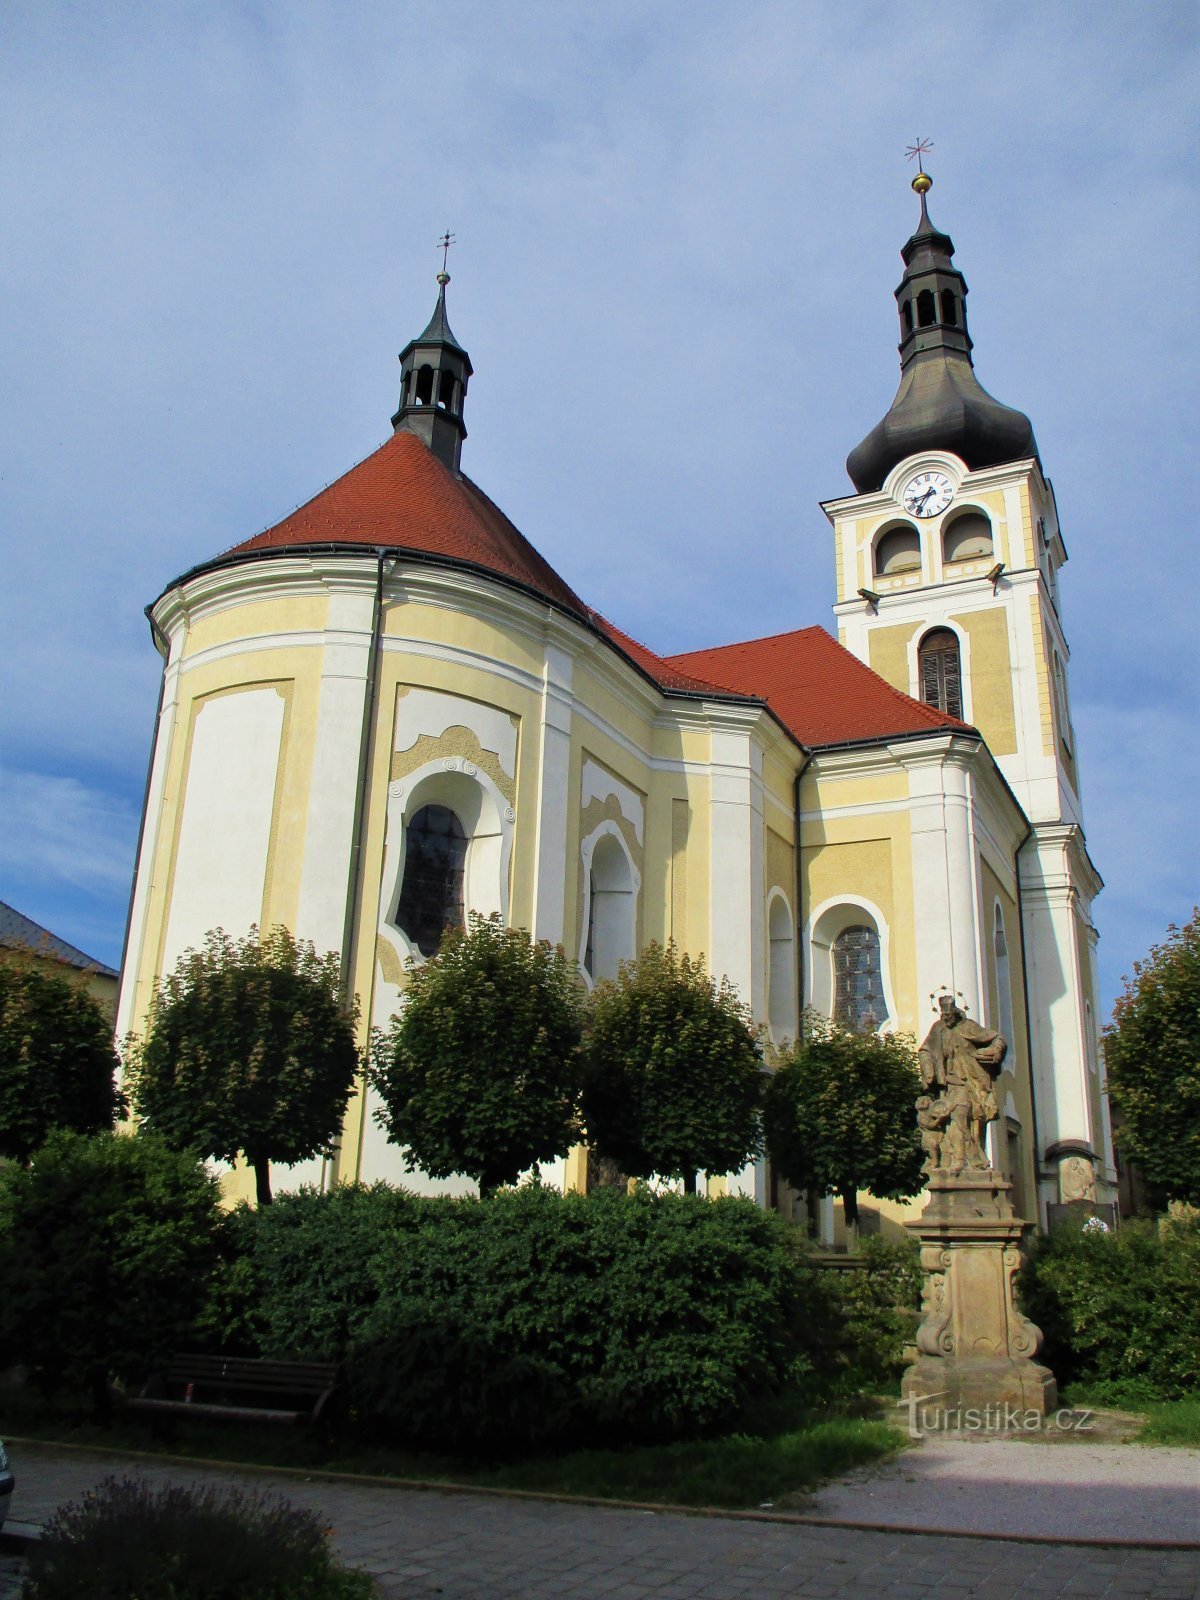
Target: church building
(388, 710)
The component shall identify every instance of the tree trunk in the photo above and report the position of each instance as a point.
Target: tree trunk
(262, 1180)
(850, 1212)
(689, 1183)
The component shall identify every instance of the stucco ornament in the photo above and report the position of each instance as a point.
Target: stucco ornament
(960, 1061)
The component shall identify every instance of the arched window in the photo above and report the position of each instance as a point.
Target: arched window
(926, 309)
(611, 925)
(425, 385)
(906, 314)
(431, 895)
(781, 982)
(898, 550)
(940, 672)
(1003, 977)
(446, 391)
(949, 308)
(858, 1001)
(967, 537)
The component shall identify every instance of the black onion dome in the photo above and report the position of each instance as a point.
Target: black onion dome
(940, 404)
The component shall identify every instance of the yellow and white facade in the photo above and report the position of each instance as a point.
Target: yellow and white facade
(396, 645)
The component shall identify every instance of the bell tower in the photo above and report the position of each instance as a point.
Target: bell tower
(434, 372)
(947, 559)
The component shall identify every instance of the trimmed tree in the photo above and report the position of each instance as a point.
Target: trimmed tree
(57, 1062)
(479, 1072)
(107, 1244)
(1152, 1058)
(839, 1114)
(249, 1050)
(672, 1071)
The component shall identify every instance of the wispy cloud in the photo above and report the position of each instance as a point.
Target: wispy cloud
(61, 831)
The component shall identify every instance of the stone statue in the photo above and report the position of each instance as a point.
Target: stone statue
(960, 1062)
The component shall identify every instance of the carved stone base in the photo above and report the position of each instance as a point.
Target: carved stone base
(975, 1348)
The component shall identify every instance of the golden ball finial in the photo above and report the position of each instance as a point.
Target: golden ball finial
(922, 183)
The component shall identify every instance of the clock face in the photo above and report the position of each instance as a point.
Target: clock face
(928, 494)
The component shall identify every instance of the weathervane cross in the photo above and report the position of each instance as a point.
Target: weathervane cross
(916, 151)
(444, 244)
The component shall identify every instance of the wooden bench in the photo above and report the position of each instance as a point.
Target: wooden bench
(242, 1389)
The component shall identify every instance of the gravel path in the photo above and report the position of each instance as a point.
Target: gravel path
(1013, 1485)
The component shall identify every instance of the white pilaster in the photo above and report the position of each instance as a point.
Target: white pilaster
(737, 908)
(944, 865)
(554, 771)
(329, 834)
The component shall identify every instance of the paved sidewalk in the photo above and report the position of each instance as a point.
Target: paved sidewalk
(483, 1547)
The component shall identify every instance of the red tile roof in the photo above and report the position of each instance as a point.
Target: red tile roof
(403, 497)
(816, 688)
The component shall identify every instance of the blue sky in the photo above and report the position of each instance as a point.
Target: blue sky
(679, 229)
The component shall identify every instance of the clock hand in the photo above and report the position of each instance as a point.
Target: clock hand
(920, 505)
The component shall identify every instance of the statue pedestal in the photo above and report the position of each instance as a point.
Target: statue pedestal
(975, 1348)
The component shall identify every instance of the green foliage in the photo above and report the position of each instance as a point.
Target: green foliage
(1119, 1309)
(839, 1114)
(129, 1541)
(478, 1074)
(57, 1062)
(501, 1323)
(249, 1050)
(879, 1305)
(106, 1243)
(671, 1071)
(1152, 1057)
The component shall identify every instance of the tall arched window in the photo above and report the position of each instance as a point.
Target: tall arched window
(611, 925)
(431, 895)
(858, 1001)
(940, 672)
(926, 309)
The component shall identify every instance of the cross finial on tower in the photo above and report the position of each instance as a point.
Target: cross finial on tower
(444, 244)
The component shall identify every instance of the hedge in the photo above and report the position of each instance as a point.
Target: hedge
(1119, 1310)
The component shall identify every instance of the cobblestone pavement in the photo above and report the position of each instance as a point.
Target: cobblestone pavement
(481, 1547)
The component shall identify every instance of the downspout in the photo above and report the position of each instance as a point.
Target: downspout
(810, 1201)
(163, 645)
(1033, 1124)
(350, 942)
(808, 756)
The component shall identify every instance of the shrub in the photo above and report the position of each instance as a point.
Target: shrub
(249, 1050)
(671, 1071)
(505, 1322)
(879, 1306)
(840, 1115)
(129, 1541)
(1119, 1309)
(479, 1071)
(106, 1246)
(311, 1264)
(57, 1062)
